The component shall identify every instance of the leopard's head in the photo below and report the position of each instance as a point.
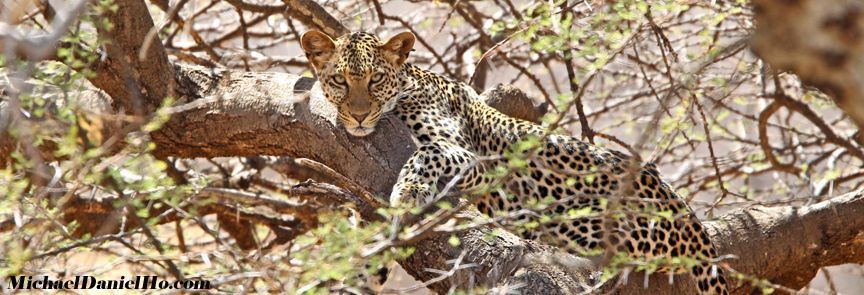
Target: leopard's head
(359, 74)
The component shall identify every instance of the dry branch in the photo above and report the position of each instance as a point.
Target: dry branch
(313, 15)
(136, 74)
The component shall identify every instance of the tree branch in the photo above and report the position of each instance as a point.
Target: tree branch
(313, 15)
(232, 113)
(136, 74)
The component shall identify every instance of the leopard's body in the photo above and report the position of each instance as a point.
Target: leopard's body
(366, 78)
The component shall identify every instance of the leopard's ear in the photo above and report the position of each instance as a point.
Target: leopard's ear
(318, 47)
(398, 47)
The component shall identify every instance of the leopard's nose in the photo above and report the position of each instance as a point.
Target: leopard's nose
(359, 117)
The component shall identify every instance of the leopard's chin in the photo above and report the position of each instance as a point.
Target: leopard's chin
(360, 131)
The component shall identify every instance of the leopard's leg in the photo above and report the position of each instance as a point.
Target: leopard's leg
(431, 162)
(641, 238)
(634, 233)
(650, 235)
(418, 179)
(709, 277)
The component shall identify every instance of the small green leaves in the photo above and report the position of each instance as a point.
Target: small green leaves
(454, 241)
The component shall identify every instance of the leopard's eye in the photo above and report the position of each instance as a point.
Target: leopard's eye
(377, 78)
(339, 79)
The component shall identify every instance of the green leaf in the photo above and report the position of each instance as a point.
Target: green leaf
(454, 241)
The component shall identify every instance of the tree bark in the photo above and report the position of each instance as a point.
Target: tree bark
(232, 113)
(136, 73)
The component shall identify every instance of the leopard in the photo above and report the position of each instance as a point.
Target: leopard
(366, 78)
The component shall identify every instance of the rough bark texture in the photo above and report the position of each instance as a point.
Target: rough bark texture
(823, 45)
(232, 113)
(136, 74)
(788, 244)
(314, 16)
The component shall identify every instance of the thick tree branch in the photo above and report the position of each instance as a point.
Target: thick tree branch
(136, 74)
(232, 113)
(313, 15)
(787, 244)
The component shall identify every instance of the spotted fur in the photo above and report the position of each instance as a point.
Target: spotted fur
(365, 78)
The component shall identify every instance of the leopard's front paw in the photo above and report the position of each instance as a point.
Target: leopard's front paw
(418, 194)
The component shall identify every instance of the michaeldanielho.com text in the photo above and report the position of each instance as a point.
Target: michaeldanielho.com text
(90, 282)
